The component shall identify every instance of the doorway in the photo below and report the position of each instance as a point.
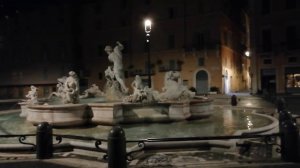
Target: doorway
(202, 82)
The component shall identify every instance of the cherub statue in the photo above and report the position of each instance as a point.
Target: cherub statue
(71, 88)
(32, 95)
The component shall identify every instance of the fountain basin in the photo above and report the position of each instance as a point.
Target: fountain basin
(113, 113)
(24, 108)
(58, 115)
(200, 108)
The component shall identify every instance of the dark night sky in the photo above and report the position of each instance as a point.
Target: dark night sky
(9, 7)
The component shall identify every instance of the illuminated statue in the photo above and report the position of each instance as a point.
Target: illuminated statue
(115, 56)
(32, 95)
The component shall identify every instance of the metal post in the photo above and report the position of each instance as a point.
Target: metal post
(281, 106)
(116, 148)
(233, 100)
(282, 113)
(44, 145)
(148, 59)
(290, 141)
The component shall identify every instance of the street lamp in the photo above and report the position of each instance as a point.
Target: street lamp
(147, 31)
(247, 53)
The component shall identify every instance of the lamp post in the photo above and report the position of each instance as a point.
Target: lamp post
(147, 31)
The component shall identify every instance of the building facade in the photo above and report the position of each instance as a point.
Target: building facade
(275, 47)
(204, 40)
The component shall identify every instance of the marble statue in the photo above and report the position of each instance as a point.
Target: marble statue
(32, 95)
(59, 88)
(116, 72)
(138, 91)
(67, 89)
(32, 99)
(141, 94)
(71, 89)
(93, 91)
(173, 89)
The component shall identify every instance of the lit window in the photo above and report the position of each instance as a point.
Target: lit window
(293, 80)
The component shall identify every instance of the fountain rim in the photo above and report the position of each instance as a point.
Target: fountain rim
(260, 130)
(56, 106)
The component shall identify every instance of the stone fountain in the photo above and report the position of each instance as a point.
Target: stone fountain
(174, 103)
(67, 112)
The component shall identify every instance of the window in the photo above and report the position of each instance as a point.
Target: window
(267, 61)
(265, 7)
(201, 61)
(172, 64)
(266, 40)
(291, 4)
(171, 41)
(292, 60)
(292, 75)
(293, 80)
(199, 41)
(291, 37)
(171, 13)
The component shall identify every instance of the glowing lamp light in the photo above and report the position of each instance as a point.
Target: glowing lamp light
(247, 53)
(148, 26)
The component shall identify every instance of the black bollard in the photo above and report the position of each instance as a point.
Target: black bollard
(233, 100)
(281, 105)
(116, 148)
(289, 141)
(44, 145)
(283, 118)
